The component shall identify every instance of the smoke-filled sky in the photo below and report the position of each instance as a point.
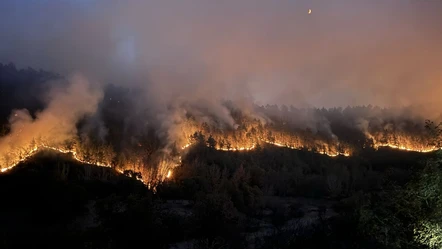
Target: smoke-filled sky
(346, 52)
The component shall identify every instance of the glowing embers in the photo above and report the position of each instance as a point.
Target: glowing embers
(421, 149)
(150, 178)
(237, 148)
(76, 156)
(6, 169)
(335, 154)
(419, 142)
(278, 144)
(327, 152)
(186, 146)
(23, 156)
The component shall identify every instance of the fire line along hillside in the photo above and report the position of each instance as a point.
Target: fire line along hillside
(274, 177)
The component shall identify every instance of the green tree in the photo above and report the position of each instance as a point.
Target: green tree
(427, 190)
(411, 215)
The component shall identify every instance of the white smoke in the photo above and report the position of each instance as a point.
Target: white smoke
(57, 123)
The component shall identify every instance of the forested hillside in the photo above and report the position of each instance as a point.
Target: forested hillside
(287, 191)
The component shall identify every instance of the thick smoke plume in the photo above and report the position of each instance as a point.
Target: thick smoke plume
(67, 104)
(191, 58)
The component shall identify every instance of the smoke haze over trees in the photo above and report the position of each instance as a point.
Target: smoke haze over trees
(195, 98)
(174, 58)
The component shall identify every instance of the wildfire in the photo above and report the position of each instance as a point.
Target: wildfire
(237, 149)
(279, 144)
(402, 142)
(186, 146)
(35, 149)
(6, 169)
(23, 158)
(415, 149)
(330, 150)
(75, 155)
(346, 154)
(164, 169)
(331, 154)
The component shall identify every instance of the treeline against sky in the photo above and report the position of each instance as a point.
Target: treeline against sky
(118, 119)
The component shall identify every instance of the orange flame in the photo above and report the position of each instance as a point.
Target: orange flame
(26, 155)
(235, 142)
(415, 149)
